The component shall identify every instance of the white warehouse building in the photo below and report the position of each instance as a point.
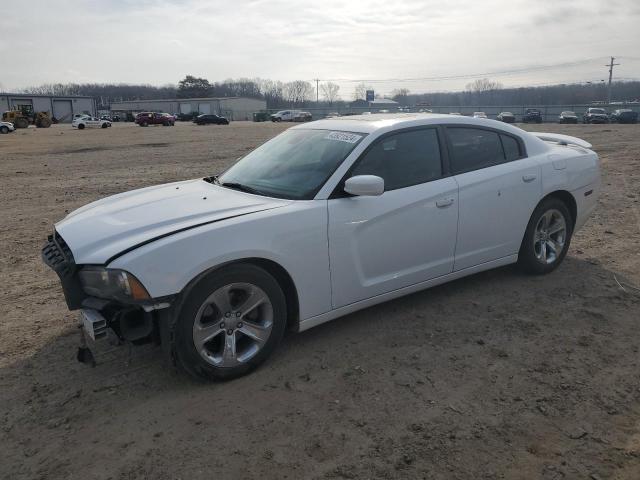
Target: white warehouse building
(234, 108)
(62, 108)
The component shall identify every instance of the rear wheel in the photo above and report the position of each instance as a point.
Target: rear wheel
(144, 124)
(547, 237)
(104, 125)
(81, 126)
(230, 323)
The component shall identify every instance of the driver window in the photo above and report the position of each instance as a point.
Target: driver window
(404, 159)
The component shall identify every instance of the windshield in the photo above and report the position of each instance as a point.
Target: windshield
(568, 113)
(293, 165)
(596, 110)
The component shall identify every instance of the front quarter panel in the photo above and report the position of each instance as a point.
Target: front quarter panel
(294, 236)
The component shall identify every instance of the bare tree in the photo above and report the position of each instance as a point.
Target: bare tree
(298, 91)
(360, 92)
(330, 92)
(482, 85)
(400, 95)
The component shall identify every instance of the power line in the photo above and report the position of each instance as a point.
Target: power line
(469, 76)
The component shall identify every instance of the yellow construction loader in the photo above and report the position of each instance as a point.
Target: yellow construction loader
(22, 119)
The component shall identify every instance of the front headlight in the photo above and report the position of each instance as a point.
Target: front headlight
(112, 284)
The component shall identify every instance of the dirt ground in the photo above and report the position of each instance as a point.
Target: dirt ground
(496, 376)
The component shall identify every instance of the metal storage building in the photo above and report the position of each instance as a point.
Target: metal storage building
(234, 108)
(62, 108)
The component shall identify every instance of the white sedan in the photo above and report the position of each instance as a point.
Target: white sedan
(325, 219)
(6, 127)
(89, 122)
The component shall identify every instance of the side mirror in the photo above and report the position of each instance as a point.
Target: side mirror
(364, 186)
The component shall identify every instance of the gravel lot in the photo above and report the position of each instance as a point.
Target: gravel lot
(498, 375)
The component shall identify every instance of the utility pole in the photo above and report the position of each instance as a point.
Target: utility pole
(610, 65)
(317, 90)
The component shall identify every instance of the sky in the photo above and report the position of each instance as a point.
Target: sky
(422, 45)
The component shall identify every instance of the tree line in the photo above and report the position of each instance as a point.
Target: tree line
(301, 93)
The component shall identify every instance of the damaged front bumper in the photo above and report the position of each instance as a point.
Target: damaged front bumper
(138, 322)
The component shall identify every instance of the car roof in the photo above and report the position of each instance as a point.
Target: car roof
(392, 121)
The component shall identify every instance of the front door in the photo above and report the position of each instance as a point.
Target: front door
(402, 237)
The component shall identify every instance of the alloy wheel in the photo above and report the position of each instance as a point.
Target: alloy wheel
(233, 324)
(550, 236)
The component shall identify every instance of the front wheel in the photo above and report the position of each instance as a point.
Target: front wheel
(547, 237)
(4, 129)
(230, 323)
(81, 126)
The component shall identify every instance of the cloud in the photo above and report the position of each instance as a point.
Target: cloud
(159, 41)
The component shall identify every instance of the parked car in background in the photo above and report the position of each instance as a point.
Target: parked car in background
(6, 127)
(567, 117)
(624, 115)
(210, 119)
(455, 113)
(90, 122)
(115, 118)
(595, 115)
(325, 219)
(532, 115)
(106, 117)
(303, 117)
(290, 116)
(332, 115)
(145, 119)
(506, 117)
(479, 115)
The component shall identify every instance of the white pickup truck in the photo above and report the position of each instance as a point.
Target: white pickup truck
(291, 116)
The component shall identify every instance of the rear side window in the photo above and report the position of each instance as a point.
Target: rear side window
(474, 148)
(404, 159)
(511, 148)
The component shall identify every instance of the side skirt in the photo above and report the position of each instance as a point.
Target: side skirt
(353, 307)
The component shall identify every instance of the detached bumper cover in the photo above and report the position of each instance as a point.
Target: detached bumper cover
(57, 255)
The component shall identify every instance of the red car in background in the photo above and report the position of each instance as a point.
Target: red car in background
(145, 119)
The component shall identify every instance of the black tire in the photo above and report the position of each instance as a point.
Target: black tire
(81, 126)
(4, 130)
(104, 125)
(528, 258)
(187, 357)
(144, 124)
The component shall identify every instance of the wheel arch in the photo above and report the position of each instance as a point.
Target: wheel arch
(568, 199)
(281, 275)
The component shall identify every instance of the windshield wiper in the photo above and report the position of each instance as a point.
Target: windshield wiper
(213, 179)
(240, 186)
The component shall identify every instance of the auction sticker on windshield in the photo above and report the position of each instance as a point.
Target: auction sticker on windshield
(343, 137)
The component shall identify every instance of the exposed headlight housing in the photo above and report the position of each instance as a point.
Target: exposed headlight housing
(112, 284)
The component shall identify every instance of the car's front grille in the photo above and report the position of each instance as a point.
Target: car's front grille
(57, 254)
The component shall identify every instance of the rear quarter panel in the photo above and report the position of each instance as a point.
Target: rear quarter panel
(576, 170)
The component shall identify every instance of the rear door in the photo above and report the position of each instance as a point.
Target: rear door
(499, 187)
(402, 237)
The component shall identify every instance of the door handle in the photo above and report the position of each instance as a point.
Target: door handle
(445, 202)
(528, 178)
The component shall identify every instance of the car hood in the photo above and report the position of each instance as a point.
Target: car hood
(101, 230)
